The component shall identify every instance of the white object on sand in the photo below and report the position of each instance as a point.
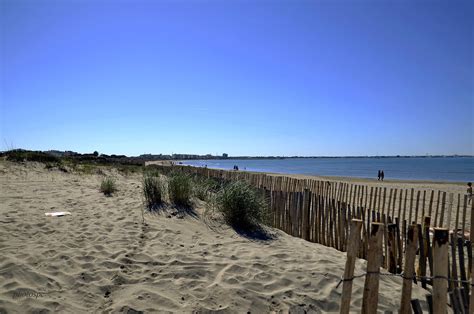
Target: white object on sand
(57, 214)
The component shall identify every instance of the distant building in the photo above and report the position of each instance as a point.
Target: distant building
(224, 155)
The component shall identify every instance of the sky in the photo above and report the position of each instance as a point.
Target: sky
(308, 78)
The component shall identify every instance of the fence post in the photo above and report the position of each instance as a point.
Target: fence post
(409, 269)
(440, 269)
(374, 261)
(425, 253)
(392, 248)
(352, 251)
(450, 207)
(305, 213)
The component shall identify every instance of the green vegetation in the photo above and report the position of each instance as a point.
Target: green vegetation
(151, 171)
(50, 165)
(203, 187)
(241, 205)
(152, 191)
(89, 168)
(82, 163)
(129, 169)
(180, 189)
(200, 190)
(86, 168)
(22, 155)
(108, 186)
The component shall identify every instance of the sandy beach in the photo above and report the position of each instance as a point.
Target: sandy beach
(236, 157)
(449, 187)
(103, 258)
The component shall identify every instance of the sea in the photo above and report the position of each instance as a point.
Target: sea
(453, 169)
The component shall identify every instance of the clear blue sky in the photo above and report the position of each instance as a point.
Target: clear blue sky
(242, 77)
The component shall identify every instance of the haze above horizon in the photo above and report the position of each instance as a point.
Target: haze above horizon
(306, 78)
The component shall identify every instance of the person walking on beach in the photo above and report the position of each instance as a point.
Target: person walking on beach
(469, 192)
(378, 176)
(382, 175)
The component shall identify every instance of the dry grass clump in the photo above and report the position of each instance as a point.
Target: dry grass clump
(108, 186)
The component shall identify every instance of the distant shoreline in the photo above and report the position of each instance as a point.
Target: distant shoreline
(319, 157)
(174, 157)
(303, 157)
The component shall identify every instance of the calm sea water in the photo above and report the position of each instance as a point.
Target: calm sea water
(460, 169)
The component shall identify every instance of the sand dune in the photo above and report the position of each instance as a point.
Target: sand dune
(102, 258)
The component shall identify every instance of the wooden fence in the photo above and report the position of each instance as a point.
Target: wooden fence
(406, 230)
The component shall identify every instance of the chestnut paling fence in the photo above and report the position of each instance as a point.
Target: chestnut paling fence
(423, 236)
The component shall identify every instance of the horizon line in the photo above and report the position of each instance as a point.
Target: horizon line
(251, 156)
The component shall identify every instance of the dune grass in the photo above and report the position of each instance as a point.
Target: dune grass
(241, 205)
(203, 188)
(153, 189)
(180, 189)
(127, 170)
(108, 186)
(200, 190)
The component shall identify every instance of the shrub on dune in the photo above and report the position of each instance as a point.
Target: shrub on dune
(241, 205)
(108, 186)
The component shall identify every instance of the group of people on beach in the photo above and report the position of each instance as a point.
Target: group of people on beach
(381, 175)
(236, 167)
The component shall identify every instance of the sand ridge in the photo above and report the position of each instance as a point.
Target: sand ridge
(103, 258)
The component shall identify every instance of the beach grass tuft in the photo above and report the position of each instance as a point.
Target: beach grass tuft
(203, 188)
(242, 206)
(108, 186)
(200, 190)
(153, 191)
(180, 189)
